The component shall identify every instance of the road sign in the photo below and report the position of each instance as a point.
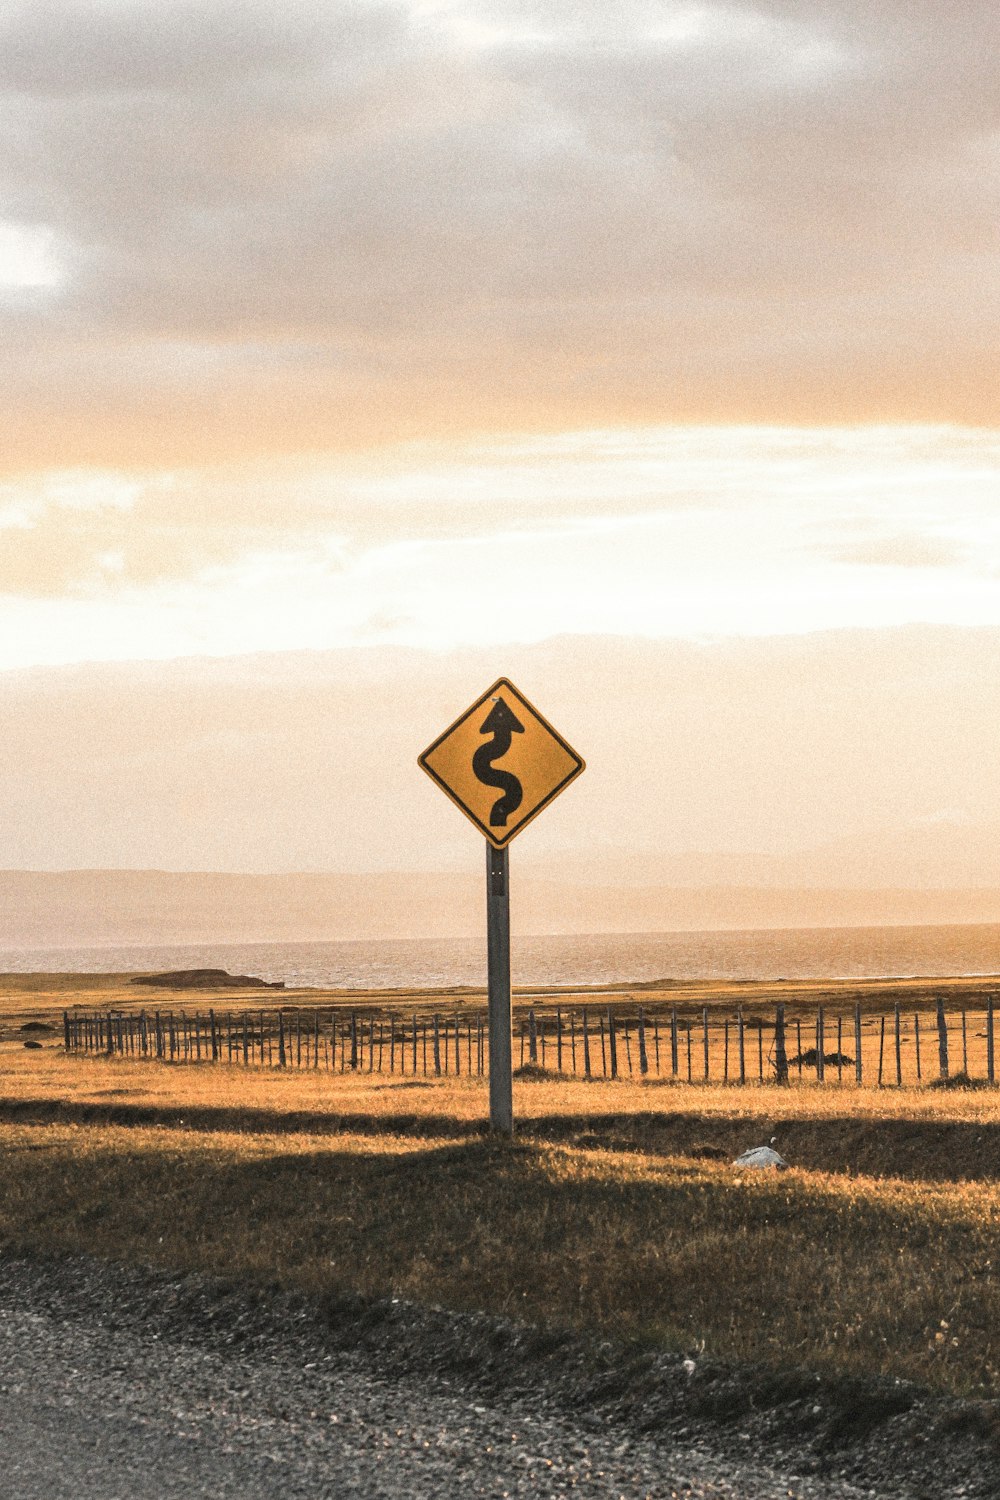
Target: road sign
(501, 762)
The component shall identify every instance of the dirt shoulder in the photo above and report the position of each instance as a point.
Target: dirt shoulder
(885, 1437)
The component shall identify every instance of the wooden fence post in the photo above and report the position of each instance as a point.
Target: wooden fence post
(586, 1043)
(858, 1065)
(780, 1054)
(942, 1027)
(612, 1044)
(989, 1039)
(740, 1037)
(673, 1040)
(820, 1045)
(704, 1033)
(898, 1043)
(643, 1059)
(916, 1041)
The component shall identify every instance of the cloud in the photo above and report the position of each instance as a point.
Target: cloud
(904, 550)
(666, 532)
(316, 225)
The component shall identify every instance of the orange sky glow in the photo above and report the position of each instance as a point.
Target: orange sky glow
(309, 308)
(446, 326)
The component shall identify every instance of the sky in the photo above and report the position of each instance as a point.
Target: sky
(446, 323)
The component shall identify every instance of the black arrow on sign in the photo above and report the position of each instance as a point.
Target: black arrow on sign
(502, 724)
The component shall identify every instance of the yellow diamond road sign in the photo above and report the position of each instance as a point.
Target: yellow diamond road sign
(501, 762)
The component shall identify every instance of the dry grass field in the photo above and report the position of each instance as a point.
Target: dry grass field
(617, 1208)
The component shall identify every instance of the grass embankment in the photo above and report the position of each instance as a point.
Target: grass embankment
(811, 1268)
(610, 1213)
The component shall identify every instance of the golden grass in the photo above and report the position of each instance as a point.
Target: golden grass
(42, 998)
(609, 1213)
(50, 1074)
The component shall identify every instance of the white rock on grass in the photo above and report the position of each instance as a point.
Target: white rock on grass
(761, 1156)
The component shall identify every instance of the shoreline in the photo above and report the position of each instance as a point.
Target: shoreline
(920, 989)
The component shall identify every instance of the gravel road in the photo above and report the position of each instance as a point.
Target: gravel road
(125, 1385)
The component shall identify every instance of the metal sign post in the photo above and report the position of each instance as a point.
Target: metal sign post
(498, 965)
(502, 744)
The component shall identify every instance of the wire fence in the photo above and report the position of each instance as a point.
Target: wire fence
(899, 1048)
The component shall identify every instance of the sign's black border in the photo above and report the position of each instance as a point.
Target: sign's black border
(484, 829)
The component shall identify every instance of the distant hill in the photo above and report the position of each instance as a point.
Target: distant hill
(833, 761)
(97, 908)
(934, 854)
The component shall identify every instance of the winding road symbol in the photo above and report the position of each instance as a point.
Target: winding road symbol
(499, 782)
(502, 724)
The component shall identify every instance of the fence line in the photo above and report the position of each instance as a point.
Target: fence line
(587, 1042)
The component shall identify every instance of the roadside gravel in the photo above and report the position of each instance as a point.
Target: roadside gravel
(127, 1384)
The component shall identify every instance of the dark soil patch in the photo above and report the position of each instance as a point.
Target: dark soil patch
(530, 1072)
(961, 1081)
(810, 1059)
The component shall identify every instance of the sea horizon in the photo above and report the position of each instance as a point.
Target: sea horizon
(883, 951)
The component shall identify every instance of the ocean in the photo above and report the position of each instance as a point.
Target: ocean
(596, 959)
